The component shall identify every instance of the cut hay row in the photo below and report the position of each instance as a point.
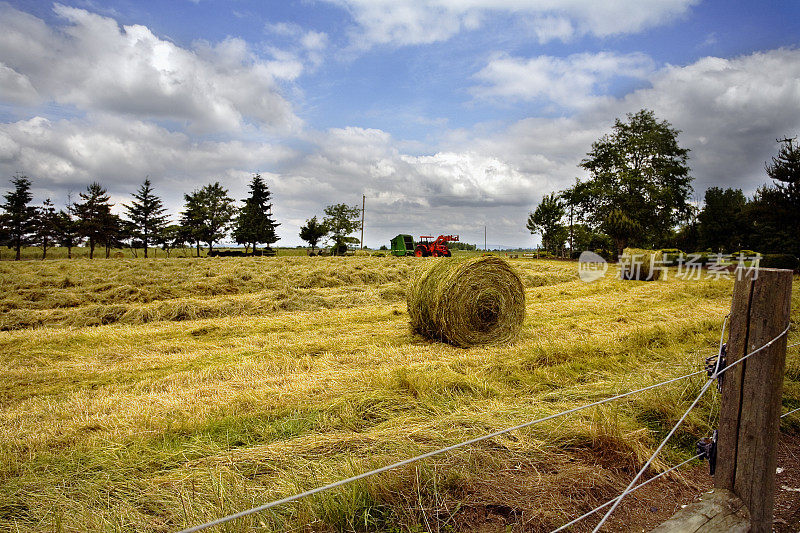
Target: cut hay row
(83, 293)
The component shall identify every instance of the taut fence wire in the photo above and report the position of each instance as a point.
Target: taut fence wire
(614, 503)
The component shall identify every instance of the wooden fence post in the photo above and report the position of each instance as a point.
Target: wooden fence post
(750, 409)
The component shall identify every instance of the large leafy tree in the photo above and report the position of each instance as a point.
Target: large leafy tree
(255, 224)
(312, 232)
(19, 217)
(207, 215)
(721, 222)
(146, 214)
(546, 220)
(341, 220)
(47, 222)
(639, 185)
(94, 216)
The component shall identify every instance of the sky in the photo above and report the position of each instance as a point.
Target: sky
(447, 115)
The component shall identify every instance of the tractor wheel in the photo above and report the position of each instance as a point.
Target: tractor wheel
(435, 253)
(420, 251)
(447, 253)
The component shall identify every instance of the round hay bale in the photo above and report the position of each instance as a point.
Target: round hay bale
(467, 302)
(641, 265)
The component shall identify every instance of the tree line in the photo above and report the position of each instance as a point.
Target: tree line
(209, 215)
(638, 194)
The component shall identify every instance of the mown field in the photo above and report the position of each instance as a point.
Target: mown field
(151, 395)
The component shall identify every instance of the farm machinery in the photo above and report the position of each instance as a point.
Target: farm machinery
(435, 248)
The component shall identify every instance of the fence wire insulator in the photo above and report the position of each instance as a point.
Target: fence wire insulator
(707, 449)
(716, 364)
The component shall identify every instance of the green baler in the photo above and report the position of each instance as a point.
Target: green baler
(403, 245)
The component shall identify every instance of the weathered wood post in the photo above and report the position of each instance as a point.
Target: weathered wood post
(751, 391)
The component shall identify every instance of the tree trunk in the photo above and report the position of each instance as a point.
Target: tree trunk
(210, 248)
(91, 248)
(18, 246)
(69, 252)
(198, 248)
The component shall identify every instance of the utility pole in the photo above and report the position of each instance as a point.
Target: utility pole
(570, 231)
(484, 238)
(363, 203)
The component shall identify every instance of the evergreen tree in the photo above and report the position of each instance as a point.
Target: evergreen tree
(19, 217)
(782, 210)
(146, 216)
(785, 170)
(94, 216)
(255, 224)
(207, 215)
(47, 221)
(312, 232)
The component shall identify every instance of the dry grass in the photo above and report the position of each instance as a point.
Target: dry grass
(157, 424)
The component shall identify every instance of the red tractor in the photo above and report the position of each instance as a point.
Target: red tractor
(438, 248)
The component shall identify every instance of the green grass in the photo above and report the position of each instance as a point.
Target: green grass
(281, 374)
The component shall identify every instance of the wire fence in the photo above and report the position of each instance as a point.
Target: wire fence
(614, 503)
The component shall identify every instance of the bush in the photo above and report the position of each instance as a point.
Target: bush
(787, 261)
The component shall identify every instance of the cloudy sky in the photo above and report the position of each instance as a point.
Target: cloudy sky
(447, 114)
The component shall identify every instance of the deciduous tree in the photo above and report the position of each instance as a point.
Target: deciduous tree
(546, 221)
(721, 223)
(47, 222)
(639, 185)
(341, 220)
(207, 215)
(68, 227)
(312, 232)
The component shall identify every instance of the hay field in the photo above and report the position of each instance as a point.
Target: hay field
(152, 395)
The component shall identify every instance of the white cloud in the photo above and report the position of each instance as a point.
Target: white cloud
(16, 88)
(572, 82)
(68, 154)
(307, 43)
(408, 22)
(94, 65)
(729, 111)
